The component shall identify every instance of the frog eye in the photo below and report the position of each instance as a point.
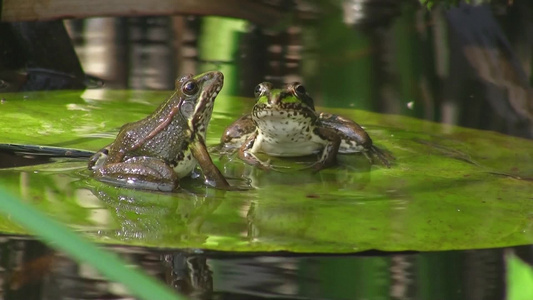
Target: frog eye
(300, 89)
(261, 89)
(300, 92)
(257, 90)
(190, 87)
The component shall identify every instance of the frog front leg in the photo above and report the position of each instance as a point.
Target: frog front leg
(251, 146)
(238, 131)
(139, 172)
(328, 157)
(212, 174)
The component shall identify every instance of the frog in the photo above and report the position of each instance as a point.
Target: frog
(285, 123)
(154, 153)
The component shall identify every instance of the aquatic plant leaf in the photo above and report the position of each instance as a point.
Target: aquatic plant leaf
(448, 188)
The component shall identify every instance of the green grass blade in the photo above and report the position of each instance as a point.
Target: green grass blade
(519, 278)
(69, 242)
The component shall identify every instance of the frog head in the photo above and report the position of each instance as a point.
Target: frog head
(291, 103)
(197, 98)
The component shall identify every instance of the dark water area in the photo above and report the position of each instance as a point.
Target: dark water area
(30, 270)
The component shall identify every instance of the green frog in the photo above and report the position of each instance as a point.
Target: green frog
(284, 123)
(155, 152)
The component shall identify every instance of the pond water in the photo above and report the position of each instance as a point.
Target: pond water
(32, 271)
(442, 223)
(298, 232)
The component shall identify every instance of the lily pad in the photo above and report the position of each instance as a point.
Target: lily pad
(449, 187)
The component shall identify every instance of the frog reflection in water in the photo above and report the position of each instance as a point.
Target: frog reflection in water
(155, 152)
(284, 123)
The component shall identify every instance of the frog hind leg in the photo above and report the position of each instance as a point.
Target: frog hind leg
(141, 173)
(384, 157)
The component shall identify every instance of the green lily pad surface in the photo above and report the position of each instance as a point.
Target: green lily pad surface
(449, 187)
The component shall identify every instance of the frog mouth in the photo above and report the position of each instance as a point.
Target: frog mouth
(285, 113)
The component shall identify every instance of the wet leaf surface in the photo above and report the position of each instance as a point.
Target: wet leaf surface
(449, 187)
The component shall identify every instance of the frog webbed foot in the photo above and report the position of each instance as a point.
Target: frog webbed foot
(251, 159)
(278, 168)
(264, 165)
(320, 165)
(139, 172)
(383, 156)
(267, 165)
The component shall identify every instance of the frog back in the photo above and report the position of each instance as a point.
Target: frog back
(144, 139)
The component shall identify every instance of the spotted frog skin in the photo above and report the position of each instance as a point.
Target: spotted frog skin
(153, 153)
(284, 123)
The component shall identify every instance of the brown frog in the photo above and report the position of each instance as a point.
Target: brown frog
(153, 153)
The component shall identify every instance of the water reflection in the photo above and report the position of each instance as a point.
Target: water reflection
(195, 215)
(352, 171)
(466, 65)
(155, 218)
(29, 270)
